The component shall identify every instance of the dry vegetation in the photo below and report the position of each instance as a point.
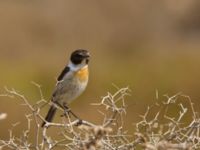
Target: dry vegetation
(149, 36)
(162, 127)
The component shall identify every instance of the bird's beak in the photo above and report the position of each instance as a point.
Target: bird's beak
(87, 55)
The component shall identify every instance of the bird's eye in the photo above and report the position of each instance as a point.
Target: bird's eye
(77, 58)
(79, 55)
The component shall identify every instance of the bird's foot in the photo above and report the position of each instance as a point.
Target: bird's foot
(80, 122)
(66, 113)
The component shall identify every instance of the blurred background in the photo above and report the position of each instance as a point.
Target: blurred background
(147, 45)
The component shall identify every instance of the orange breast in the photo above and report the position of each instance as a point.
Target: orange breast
(82, 74)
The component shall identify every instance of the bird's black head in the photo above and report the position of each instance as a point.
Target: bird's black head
(78, 56)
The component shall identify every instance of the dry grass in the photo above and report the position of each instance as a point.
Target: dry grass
(160, 128)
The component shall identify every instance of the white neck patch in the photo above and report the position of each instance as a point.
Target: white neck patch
(74, 67)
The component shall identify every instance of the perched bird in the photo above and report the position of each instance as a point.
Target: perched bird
(70, 83)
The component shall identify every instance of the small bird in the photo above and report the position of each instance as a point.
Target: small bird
(70, 83)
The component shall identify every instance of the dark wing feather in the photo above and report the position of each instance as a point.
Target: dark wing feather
(65, 70)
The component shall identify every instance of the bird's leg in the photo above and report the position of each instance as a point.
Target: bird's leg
(67, 110)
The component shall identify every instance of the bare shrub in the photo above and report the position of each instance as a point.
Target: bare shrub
(167, 129)
(162, 127)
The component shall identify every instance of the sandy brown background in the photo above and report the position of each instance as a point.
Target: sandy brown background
(146, 45)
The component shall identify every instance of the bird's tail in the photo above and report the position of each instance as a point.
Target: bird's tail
(50, 115)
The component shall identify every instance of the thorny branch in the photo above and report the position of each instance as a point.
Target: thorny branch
(162, 127)
(165, 131)
(74, 134)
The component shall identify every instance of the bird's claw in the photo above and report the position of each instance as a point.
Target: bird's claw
(66, 113)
